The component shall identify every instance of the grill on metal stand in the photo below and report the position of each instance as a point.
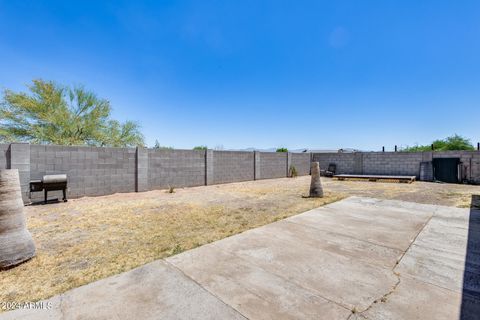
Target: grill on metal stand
(52, 182)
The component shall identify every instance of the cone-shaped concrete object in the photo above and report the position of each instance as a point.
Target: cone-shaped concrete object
(16, 243)
(316, 190)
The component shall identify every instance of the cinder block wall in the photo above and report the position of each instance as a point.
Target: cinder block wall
(273, 165)
(345, 161)
(100, 171)
(301, 162)
(475, 168)
(175, 168)
(4, 156)
(470, 161)
(392, 163)
(19, 154)
(233, 166)
(91, 171)
(397, 163)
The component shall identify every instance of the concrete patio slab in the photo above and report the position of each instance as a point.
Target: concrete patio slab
(258, 293)
(347, 253)
(153, 291)
(288, 232)
(416, 300)
(381, 222)
(336, 277)
(359, 258)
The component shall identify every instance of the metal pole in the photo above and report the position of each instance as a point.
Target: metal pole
(432, 147)
(383, 149)
(478, 146)
(395, 148)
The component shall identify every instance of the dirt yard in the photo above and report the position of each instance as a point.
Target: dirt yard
(455, 195)
(91, 238)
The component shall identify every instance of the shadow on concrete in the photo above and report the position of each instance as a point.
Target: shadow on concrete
(470, 308)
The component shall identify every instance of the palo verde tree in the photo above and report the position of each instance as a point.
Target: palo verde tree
(52, 113)
(455, 142)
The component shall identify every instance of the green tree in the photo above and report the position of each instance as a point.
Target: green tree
(455, 142)
(200, 148)
(282, 150)
(51, 113)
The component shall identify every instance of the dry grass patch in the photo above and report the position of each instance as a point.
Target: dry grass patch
(91, 238)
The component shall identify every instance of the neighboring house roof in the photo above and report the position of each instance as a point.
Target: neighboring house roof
(342, 150)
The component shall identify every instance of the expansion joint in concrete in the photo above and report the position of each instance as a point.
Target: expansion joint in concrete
(62, 307)
(413, 241)
(385, 296)
(201, 286)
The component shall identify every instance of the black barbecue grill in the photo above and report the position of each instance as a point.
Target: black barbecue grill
(52, 182)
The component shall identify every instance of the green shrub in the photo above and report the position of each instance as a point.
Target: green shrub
(177, 249)
(454, 142)
(282, 149)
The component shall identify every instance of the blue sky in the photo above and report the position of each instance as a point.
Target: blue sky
(317, 74)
